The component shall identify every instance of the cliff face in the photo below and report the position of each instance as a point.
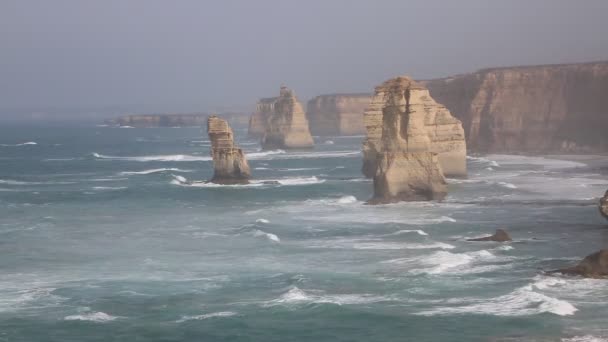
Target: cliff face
(424, 125)
(173, 120)
(285, 123)
(339, 114)
(398, 150)
(604, 205)
(229, 163)
(552, 108)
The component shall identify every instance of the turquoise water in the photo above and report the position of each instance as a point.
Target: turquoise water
(101, 241)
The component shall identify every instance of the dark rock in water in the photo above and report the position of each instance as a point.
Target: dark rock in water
(593, 266)
(499, 236)
(604, 205)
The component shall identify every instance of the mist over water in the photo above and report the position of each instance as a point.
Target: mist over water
(104, 237)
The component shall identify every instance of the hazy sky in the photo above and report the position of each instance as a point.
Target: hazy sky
(192, 55)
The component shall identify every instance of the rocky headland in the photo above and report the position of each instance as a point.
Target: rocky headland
(285, 123)
(421, 125)
(398, 148)
(229, 163)
(173, 120)
(337, 114)
(592, 266)
(535, 109)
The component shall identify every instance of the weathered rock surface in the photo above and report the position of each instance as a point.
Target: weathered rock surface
(173, 120)
(499, 236)
(604, 205)
(285, 124)
(547, 108)
(593, 266)
(397, 148)
(408, 176)
(337, 114)
(229, 163)
(256, 123)
(402, 116)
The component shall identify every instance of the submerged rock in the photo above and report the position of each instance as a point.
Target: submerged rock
(500, 236)
(593, 266)
(402, 116)
(604, 205)
(397, 150)
(284, 122)
(229, 163)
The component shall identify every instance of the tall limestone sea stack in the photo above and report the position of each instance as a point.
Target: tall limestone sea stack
(229, 163)
(285, 123)
(337, 114)
(398, 150)
(430, 127)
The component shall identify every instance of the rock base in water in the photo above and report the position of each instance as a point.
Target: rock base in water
(408, 176)
(500, 236)
(229, 163)
(593, 266)
(604, 205)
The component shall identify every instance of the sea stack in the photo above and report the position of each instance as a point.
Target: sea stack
(285, 123)
(424, 125)
(229, 163)
(337, 114)
(398, 150)
(604, 205)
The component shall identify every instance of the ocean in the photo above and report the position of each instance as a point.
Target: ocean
(104, 238)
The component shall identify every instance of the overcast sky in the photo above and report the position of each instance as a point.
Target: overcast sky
(193, 55)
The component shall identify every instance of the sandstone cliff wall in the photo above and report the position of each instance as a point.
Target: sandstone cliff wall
(424, 125)
(338, 114)
(285, 123)
(229, 163)
(549, 108)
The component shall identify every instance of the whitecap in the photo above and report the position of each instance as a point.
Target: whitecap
(585, 338)
(269, 236)
(161, 158)
(29, 143)
(507, 185)
(99, 317)
(261, 220)
(347, 200)
(207, 316)
(147, 172)
(443, 261)
(109, 187)
(328, 142)
(295, 296)
(405, 231)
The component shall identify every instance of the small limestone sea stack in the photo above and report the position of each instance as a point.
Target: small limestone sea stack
(593, 266)
(397, 150)
(285, 123)
(229, 163)
(430, 127)
(500, 236)
(604, 205)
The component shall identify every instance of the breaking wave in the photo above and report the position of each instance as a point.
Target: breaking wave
(29, 143)
(147, 172)
(295, 296)
(207, 316)
(161, 158)
(269, 236)
(99, 317)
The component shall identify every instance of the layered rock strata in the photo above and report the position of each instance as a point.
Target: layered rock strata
(337, 114)
(285, 123)
(604, 205)
(229, 163)
(422, 125)
(546, 108)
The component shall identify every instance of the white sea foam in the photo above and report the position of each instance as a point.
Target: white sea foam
(99, 317)
(263, 154)
(295, 296)
(521, 302)
(443, 261)
(299, 169)
(347, 200)
(546, 162)
(507, 185)
(293, 181)
(161, 158)
(585, 338)
(29, 143)
(109, 187)
(377, 244)
(405, 231)
(328, 142)
(261, 220)
(207, 316)
(269, 236)
(147, 172)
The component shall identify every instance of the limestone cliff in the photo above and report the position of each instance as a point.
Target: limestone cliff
(256, 124)
(338, 114)
(422, 125)
(229, 163)
(604, 205)
(285, 124)
(173, 120)
(398, 147)
(547, 108)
